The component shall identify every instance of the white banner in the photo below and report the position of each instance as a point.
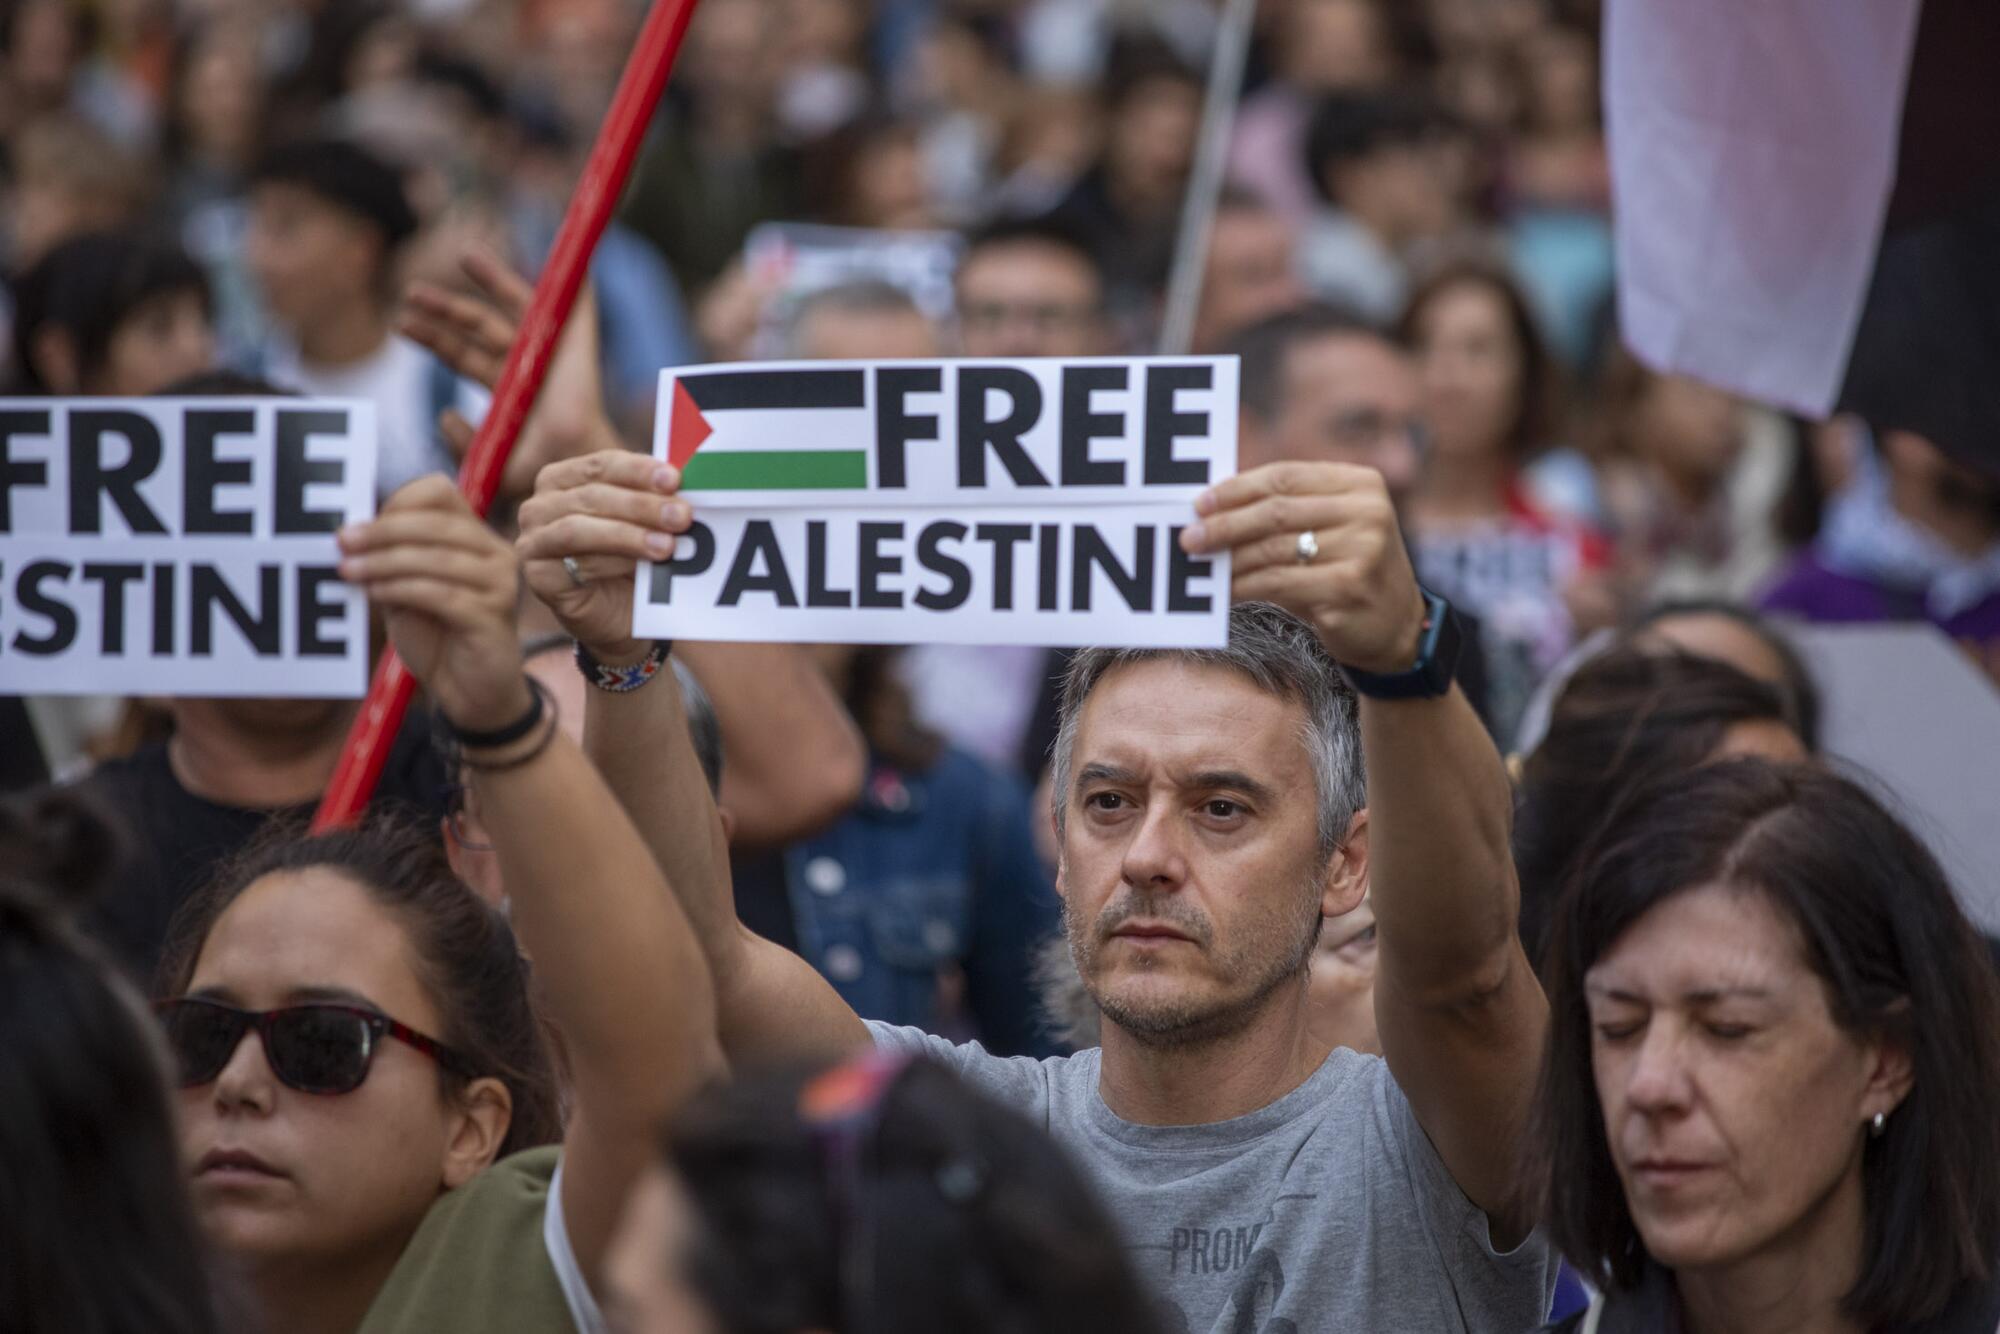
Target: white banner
(964, 502)
(182, 546)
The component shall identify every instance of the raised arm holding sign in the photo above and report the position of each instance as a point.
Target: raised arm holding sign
(1203, 840)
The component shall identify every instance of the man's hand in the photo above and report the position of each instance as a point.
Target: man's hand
(605, 512)
(473, 336)
(1358, 590)
(448, 586)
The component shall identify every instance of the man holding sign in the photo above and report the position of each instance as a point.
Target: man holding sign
(1209, 805)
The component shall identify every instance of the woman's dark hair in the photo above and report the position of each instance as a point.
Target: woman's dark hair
(469, 962)
(88, 286)
(94, 1217)
(1626, 718)
(1899, 961)
(1538, 409)
(1802, 696)
(979, 1224)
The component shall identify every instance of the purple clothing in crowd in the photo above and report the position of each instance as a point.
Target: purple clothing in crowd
(1812, 590)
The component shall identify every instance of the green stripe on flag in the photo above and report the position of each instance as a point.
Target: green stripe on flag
(777, 470)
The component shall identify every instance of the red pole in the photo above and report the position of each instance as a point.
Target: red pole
(597, 193)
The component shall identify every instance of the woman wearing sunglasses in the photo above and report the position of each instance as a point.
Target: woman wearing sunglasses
(363, 1076)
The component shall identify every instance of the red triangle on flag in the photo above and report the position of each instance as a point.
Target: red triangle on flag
(687, 429)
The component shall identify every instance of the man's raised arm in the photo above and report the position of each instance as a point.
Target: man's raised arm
(1461, 1015)
(604, 512)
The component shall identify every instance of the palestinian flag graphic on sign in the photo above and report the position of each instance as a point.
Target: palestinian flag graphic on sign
(769, 430)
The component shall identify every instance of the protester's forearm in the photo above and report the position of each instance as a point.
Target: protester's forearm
(640, 743)
(793, 761)
(770, 1004)
(1440, 870)
(622, 972)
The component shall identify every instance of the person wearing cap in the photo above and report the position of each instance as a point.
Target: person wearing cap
(328, 221)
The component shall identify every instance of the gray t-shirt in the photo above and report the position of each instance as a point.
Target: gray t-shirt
(1328, 1210)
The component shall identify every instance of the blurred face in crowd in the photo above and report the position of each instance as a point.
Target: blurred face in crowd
(1470, 366)
(1250, 274)
(887, 187)
(310, 257)
(220, 93)
(1029, 298)
(1340, 991)
(165, 338)
(646, 1271)
(56, 199)
(1461, 25)
(1734, 1106)
(1688, 429)
(337, 1179)
(1055, 137)
(835, 333)
(386, 53)
(1955, 502)
(1562, 80)
(1150, 144)
(1483, 92)
(1406, 190)
(42, 51)
(821, 32)
(731, 54)
(1191, 873)
(1347, 398)
(1330, 45)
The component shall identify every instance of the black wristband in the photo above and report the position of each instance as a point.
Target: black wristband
(502, 736)
(533, 753)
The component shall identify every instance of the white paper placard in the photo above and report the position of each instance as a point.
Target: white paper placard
(964, 502)
(182, 546)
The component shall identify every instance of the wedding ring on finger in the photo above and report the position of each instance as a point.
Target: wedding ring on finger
(575, 575)
(1305, 548)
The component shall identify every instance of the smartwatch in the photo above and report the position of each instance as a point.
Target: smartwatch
(1437, 659)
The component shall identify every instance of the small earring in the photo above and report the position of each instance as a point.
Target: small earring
(1878, 1125)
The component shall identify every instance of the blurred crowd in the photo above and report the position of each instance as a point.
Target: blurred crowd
(272, 185)
(1412, 254)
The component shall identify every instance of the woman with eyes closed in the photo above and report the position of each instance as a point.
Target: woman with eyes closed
(364, 1082)
(1768, 1098)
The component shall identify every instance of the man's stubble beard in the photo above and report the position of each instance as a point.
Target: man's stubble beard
(1177, 1022)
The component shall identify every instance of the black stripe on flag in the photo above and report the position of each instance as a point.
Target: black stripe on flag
(720, 391)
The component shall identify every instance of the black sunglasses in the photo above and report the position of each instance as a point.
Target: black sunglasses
(318, 1048)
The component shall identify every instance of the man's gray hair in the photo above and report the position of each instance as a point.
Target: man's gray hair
(856, 296)
(1282, 656)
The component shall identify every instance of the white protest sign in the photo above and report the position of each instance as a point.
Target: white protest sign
(955, 502)
(804, 259)
(182, 546)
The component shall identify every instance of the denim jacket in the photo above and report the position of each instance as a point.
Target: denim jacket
(928, 870)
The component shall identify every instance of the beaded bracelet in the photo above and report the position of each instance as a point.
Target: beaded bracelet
(623, 680)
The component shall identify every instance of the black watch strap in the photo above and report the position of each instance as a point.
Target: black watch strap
(1437, 659)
